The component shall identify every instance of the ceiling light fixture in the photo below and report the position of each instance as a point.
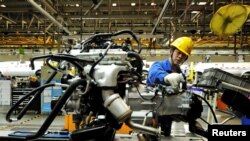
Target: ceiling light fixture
(153, 4)
(114, 4)
(202, 3)
(133, 4)
(195, 12)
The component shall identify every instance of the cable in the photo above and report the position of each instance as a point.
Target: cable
(229, 113)
(91, 72)
(210, 107)
(143, 96)
(9, 113)
(204, 121)
(227, 119)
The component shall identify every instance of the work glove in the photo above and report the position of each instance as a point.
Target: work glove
(174, 79)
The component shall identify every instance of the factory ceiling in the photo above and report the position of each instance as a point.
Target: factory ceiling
(84, 17)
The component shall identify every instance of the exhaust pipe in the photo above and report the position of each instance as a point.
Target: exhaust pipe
(144, 129)
(122, 112)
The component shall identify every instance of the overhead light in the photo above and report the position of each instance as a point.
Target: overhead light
(114, 4)
(211, 3)
(202, 3)
(2, 5)
(133, 4)
(195, 12)
(77, 5)
(153, 4)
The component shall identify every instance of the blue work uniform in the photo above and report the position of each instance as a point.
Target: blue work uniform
(156, 74)
(158, 71)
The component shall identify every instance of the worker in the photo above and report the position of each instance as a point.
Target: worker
(128, 41)
(34, 82)
(72, 71)
(169, 73)
(126, 46)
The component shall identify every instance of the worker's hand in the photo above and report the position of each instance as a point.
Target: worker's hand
(174, 79)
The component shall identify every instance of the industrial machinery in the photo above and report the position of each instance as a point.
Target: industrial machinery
(20, 69)
(96, 91)
(229, 19)
(235, 89)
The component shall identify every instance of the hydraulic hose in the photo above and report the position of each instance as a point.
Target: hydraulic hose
(21, 100)
(139, 62)
(109, 35)
(36, 93)
(91, 72)
(57, 108)
(66, 57)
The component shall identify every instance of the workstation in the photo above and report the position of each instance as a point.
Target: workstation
(98, 70)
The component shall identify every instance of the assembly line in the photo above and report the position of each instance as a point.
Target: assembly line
(102, 81)
(110, 77)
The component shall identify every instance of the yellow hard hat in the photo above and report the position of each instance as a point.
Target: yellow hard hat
(184, 44)
(33, 78)
(72, 71)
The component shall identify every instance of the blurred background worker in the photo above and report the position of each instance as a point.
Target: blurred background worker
(168, 72)
(34, 82)
(72, 71)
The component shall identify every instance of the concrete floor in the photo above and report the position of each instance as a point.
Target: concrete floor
(33, 122)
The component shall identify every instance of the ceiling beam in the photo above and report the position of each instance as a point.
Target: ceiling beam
(8, 19)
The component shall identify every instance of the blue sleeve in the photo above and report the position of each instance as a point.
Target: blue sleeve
(158, 71)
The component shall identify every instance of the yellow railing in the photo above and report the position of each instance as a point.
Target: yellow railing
(22, 40)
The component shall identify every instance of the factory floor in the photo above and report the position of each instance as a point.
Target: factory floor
(32, 122)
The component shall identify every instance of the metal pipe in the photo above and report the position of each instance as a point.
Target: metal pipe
(49, 7)
(235, 87)
(81, 20)
(160, 16)
(98, 4)
(10, 20)
(31, 21)
(144, 129)
(45, 13)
